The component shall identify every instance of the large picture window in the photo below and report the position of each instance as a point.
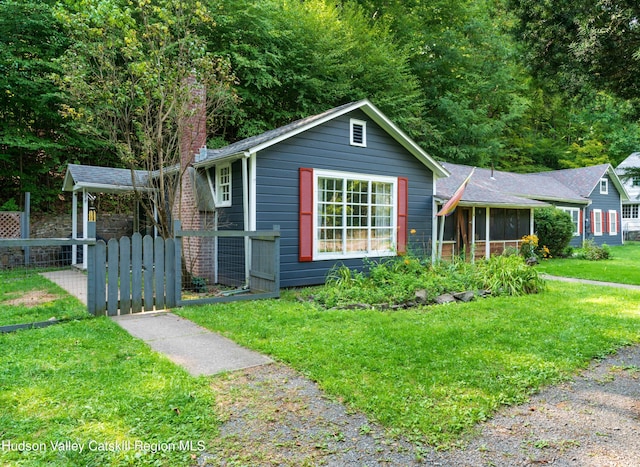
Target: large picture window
(355, 215)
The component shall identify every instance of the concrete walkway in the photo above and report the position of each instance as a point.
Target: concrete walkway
(198, 350)
(195, 348)
(590, 282)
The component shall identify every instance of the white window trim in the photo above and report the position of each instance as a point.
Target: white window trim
(319, 173)
(597, 213)
(363, 124)
(220, 203)
(570, 211)
(613, 226)
(604, 186)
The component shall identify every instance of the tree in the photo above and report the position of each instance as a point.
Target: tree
(295, 59)
(554, 228)
(35, 140)
(137, 72)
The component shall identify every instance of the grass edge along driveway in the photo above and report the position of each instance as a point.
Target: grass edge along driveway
(88, 384)
(432, 373)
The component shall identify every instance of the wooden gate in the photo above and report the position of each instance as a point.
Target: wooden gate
(132, 275)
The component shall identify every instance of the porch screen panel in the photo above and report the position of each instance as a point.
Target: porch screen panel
(481, 224)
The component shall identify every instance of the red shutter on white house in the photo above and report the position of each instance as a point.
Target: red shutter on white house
(305, 247)
(403, 208)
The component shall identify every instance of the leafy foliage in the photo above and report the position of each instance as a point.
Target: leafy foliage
(593, 252)
(554, 228)
(395, 281)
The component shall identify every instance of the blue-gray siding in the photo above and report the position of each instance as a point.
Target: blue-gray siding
(327, 147)
(604, 202)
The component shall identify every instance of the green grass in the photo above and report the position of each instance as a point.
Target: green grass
(91, 383)
(623, 267)
(15, 284)
(433, 373)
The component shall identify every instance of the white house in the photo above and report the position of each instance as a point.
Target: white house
(630, 207)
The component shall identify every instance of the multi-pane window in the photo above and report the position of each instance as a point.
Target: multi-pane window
(355, 215)
(223, 185)
(630, 211)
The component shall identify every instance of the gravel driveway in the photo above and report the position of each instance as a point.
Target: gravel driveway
(274, 416)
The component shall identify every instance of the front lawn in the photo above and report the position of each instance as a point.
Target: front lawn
(433, 372)
(27, 297)
(87, 393)
(622, 267)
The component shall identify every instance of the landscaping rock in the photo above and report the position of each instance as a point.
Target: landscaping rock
(444, 298)
(421, 296)
(464, 296)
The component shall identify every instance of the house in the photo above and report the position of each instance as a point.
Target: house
(497, 208)
(342, 186)
(630, 207)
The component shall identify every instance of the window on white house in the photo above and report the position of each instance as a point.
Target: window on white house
(604, 186)
(358, 132)
(597, 222)
(635, 181)
(223, 185)
(630, 211)
(355, 215)
(613, 222)
(575, 218)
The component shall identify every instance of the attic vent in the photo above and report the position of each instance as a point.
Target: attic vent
(358, 133)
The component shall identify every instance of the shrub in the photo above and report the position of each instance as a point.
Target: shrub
(593, 252)
(554, 229)
(508, 275)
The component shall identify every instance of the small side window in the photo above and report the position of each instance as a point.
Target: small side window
(358, 133)
(223, 185)
(604, 186)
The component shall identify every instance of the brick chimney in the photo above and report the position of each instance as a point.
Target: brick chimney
(192, 137)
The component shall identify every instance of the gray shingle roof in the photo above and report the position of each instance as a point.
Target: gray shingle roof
(102, 179)
(254, 144)
(497, 188)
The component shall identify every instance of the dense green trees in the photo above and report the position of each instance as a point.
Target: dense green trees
(520, 84)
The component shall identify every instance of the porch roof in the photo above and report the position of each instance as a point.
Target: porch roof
(98, 179)
(494, 188)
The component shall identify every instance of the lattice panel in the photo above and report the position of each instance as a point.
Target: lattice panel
(9, 225)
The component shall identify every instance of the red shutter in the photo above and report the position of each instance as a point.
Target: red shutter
(605, 222)
(580, 221)
(593, 222)
(403, 206)
(305, 248)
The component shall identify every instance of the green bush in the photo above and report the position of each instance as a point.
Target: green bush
(508, 275)
(593, 252)
(554, 229)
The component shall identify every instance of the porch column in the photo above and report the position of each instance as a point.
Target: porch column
(473, 234)
(74, 226)
(245, 207)
(531, 226)
(487, 243)
(85, 225)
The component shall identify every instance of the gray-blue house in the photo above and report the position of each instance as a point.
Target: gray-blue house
(497, 208)
(343, 185)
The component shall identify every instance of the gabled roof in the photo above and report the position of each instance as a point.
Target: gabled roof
(257, 143)
(103, 179)
(585, 179)
(496, 188)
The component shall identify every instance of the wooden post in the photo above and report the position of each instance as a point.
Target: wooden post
(91, 271)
